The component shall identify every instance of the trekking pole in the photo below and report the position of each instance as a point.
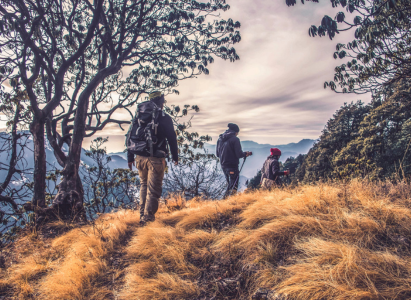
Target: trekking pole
(242, 166)
(238, 177)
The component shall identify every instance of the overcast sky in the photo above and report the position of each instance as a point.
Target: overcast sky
(275, 91)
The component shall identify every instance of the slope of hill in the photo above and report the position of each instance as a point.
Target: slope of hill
(330, 241)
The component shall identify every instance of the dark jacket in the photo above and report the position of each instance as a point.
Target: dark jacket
(229, 149)
(271, 169)
(165, 131)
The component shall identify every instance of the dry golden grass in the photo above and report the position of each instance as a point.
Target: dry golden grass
(28, 261)
(332, 270)
(164, 257)
(71, 261)
(86, 252)
(198, 213)
(325, 241)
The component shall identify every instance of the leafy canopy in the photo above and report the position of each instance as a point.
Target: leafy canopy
(380, 52)
(80, 61)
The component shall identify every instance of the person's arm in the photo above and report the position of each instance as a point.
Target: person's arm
(171, 137)
(237, 148)
(217, 148)
(276, 169)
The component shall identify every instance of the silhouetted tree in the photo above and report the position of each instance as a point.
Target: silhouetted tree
(81, 61)
(15, 188)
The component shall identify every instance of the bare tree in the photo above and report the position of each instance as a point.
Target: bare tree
(201, 177)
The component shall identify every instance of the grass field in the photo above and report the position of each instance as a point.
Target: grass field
(326, 241)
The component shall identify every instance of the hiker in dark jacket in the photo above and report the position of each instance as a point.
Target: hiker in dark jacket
(271, 170)
(229, 151)
(151, 169)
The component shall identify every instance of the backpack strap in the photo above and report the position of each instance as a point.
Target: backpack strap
(156, 115)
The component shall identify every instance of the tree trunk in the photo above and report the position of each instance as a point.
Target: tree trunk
(69, 199)
(39, 177)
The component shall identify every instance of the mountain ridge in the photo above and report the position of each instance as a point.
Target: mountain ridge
(261, 151)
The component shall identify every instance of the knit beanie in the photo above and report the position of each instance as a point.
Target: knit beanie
(233, 127)
(275, 151)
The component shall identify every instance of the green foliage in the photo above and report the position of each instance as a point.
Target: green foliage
(293, 164)
(188, 142)
(254, 182)
(365, 140)
(105, 189)
(379, 54)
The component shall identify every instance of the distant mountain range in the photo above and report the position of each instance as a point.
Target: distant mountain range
(261, 151)
(119, 159)
(252, 164)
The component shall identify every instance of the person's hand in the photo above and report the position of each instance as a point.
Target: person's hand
(130, 165)
(248, 153)
(287, 172)
(175, 163)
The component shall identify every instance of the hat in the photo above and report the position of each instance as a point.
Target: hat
(233, 127)
(157, 98)
(275, 151)
(154, 95)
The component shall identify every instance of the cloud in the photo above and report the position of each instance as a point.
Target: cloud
(275, 92)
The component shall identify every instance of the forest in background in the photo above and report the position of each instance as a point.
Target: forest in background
(360, 141)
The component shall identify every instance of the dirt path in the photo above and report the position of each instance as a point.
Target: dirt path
(113, 279)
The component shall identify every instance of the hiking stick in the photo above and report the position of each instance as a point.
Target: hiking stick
(238, 177)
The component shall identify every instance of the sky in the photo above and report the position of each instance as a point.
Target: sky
(275, 91)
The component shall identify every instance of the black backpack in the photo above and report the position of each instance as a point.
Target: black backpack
(142, 134)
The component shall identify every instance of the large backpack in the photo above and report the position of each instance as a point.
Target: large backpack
(142, 134)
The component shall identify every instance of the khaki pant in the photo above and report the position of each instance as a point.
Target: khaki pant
(151, 173)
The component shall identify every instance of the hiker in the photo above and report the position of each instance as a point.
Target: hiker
(229, 151)
(270, 173)
(147, 139)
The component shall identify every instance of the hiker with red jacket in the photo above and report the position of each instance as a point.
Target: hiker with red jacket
(270, 173)
(229, 151)
(147, 139)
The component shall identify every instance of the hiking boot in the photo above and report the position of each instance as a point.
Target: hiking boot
(146, 219)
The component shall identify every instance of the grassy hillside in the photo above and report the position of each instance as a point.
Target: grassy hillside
(314, 242)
